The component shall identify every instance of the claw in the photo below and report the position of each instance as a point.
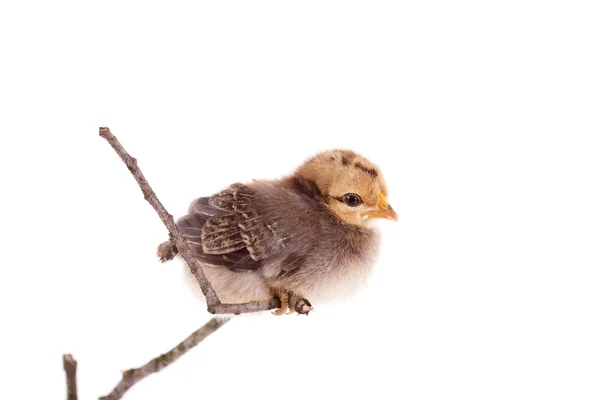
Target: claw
(279, 311)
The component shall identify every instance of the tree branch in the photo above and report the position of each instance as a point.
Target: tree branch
(214, 304)
(133, 376)
(70, 366)
(166, 218)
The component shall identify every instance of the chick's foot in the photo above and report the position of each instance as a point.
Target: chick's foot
(284, 297)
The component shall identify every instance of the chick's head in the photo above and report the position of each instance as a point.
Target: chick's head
(350, 185)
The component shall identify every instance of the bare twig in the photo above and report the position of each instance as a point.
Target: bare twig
(167, 219)
(70, 366)
(214, 304)
(133, 376)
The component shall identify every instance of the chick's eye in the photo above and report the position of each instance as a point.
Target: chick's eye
(352, 199)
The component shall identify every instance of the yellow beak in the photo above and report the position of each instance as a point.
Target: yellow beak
(384, 210)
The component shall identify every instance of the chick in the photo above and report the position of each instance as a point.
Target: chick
(308, 234)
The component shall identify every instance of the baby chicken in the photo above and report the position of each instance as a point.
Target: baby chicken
(308, 234)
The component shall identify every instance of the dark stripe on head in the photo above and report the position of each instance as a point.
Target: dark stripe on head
(307, 187)
(347, 157)
(369, 171)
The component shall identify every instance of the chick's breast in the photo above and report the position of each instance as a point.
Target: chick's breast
(262, 237)
(322, 258)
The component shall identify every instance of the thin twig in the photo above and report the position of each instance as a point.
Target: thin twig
(70, 366)
(133, 376)
(214, 304)
(167, 219)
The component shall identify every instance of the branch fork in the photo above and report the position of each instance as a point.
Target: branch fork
(168, 250)
(175, 245)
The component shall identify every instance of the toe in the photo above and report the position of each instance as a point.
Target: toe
(279, 311)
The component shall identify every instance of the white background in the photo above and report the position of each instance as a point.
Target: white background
(484, 118)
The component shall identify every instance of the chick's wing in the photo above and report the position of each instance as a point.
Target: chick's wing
(240, 227)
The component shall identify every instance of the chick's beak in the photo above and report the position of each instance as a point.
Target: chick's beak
(384, 210)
